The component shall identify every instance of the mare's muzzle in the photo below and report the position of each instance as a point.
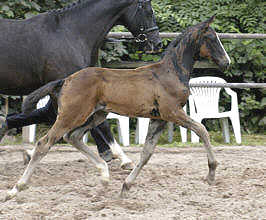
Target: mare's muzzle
(153, 42)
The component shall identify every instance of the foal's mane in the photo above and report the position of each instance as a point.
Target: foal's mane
(185, 36)
(173, 44)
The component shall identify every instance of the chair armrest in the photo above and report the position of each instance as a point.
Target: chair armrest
(234, 100)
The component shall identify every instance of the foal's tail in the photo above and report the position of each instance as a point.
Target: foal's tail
(52, 88)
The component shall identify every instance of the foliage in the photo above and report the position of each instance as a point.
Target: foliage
(232, 16)
(112, 52)
(21, 9)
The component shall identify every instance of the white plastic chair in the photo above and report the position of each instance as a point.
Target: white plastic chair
(123, 128)
(123, 125)
(204, 103)
(141, 130)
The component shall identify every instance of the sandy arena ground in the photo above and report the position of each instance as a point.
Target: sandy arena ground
(171, 186)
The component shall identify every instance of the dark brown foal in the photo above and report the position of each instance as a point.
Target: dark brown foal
(158, 91)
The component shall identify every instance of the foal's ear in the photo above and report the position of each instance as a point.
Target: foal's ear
(211, 19)
(205, 25)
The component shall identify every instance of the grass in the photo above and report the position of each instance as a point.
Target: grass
(216, 139)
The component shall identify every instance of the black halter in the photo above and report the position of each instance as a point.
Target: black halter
(142, 37)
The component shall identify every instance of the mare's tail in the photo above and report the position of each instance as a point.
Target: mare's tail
(52, 88)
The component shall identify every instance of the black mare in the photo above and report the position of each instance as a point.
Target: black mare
(55, 44)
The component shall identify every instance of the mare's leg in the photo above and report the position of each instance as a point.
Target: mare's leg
(181, 118)
(75, 139)
(18, 120)
(102, 133)
(156, 128)
(102, 141)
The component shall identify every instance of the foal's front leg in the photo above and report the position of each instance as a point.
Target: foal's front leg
(181, 118)
(156, 128)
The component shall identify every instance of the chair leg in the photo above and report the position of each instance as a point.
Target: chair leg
(194, 137)
(123, 131)
(236, 128)
(170, 131)
(142, 130)
(225, 128)
(183, 132)
(32, 133)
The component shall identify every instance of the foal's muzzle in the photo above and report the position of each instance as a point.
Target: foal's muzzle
(223, 64)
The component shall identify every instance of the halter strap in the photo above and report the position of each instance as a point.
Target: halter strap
(142, 37)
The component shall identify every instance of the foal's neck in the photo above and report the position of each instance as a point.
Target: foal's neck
(181, 58)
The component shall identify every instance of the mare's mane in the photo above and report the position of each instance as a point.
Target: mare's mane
(75, 5)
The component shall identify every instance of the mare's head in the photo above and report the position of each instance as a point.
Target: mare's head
(209, 45)
(140, 21)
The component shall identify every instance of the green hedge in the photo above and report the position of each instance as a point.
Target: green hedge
(232, 16)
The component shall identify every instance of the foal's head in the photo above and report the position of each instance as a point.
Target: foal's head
(140, 20)
(209, 44)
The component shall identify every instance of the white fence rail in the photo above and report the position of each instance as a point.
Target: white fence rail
(230, 85)
(124, 35)
(127, 35)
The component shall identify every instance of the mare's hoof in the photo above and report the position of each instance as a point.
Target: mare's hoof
(128, 166)
(26, 157)
(107, 155)
(125, 191)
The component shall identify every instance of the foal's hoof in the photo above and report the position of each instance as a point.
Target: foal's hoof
(105, 181)
(9, 197)
(26, 157)
(125, 191)
(210, 180)
(128, 166)
(11, 194)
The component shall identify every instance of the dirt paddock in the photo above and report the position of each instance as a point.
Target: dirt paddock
(171, 186)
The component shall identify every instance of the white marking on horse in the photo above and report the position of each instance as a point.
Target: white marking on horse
(118, 152)
(228, 58)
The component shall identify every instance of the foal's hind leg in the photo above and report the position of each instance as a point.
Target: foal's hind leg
(60, 127)
(156, 128)
(75, 138)
(181, 118)
(41, 149)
